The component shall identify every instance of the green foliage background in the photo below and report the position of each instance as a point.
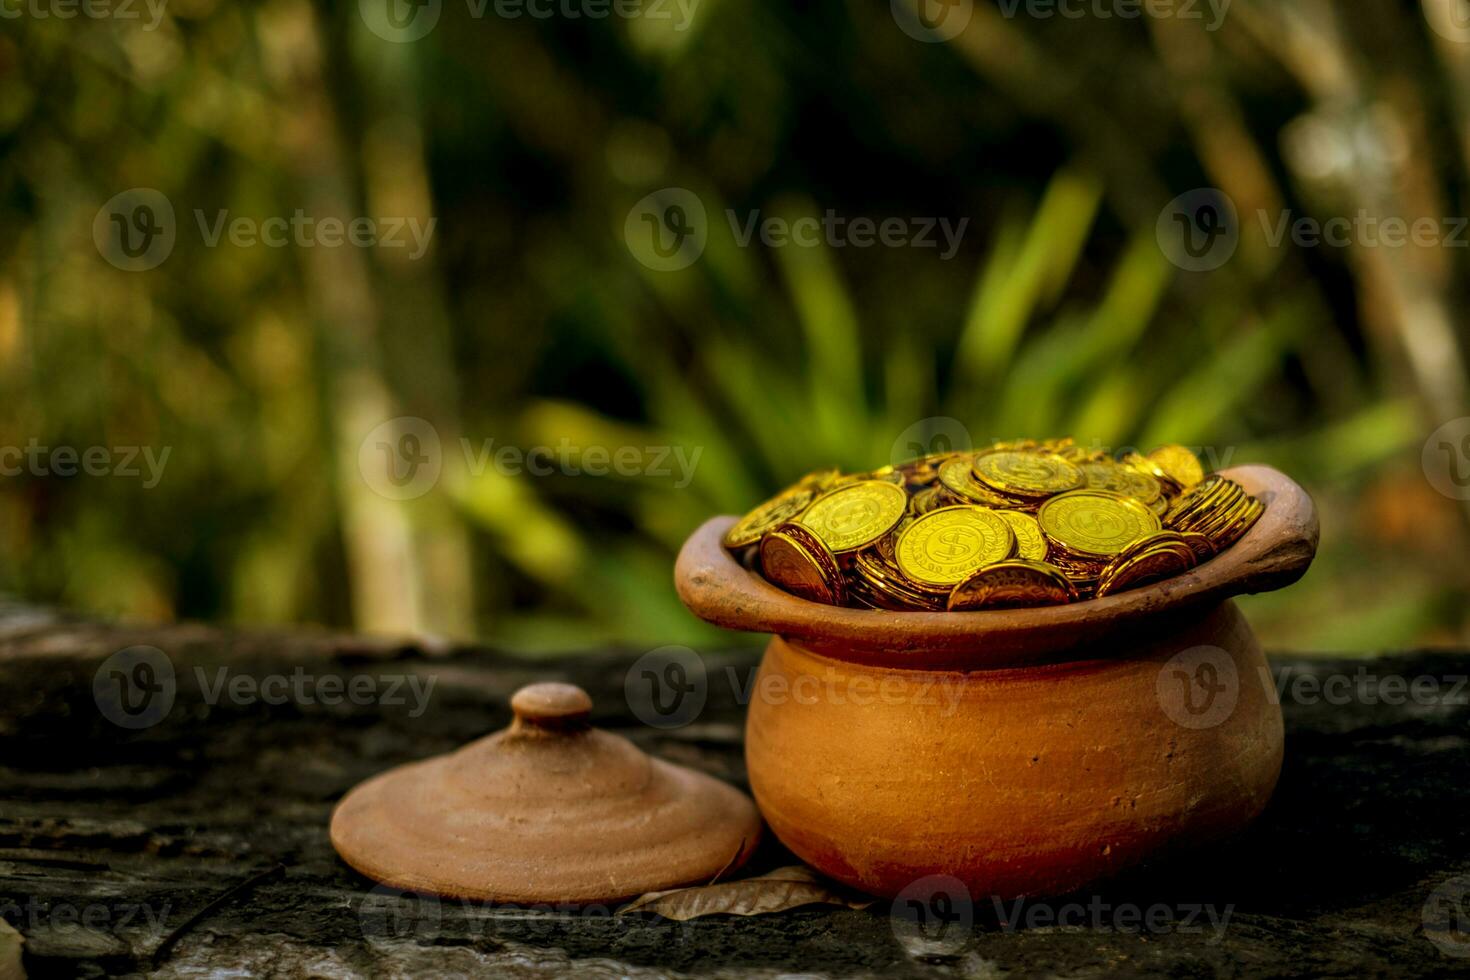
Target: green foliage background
(531, 323)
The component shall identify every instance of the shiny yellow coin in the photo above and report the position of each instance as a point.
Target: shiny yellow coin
(820, 480)
(1030, 543)
(1027, 473)
(1182, 465)
(955, 476)
(1096, 523)
(797, 561)
(945, 547)
(1141, 463)
(1108, 475)
(856, 515)
(1012, 584)
(778, 510)
(1148, 560)
(887, 474)
(927, 499)
(1204, 503)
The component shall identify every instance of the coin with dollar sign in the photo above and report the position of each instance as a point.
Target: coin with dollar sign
(945, 547)
(1096, 523)
(856, 515)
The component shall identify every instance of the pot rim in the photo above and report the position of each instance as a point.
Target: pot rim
(1272, 554)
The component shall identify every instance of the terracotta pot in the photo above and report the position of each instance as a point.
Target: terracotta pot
(1025, 752)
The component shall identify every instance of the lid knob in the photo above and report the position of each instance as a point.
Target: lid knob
(551, 705)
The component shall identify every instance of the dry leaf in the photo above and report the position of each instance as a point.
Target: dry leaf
(774, 891)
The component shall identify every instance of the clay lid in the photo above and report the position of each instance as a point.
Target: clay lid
(547, 810)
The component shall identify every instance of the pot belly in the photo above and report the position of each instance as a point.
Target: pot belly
(1033, 781)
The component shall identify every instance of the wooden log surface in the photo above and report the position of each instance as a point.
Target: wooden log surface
(197, 844)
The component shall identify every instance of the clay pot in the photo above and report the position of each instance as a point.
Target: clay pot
(1025, 752)
(550, 810)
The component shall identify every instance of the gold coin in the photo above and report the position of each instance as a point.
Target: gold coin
(1020, 523)
(820, 480)
(1141, 463)
(1182, 465)
(1160, 539)
(1241, 521)
(1081, 454)
(1027, 473)
(1202, 547)
(927, 499)
(1030, 543)
(1154, 558)
(886, 474)
(945, 547)
(1196, 503)
(1109, 475)
(796, 560)
(1096, 523)
(922, 472)
(884, 546)
(856, 515)
(1010, 584)
(781, 508)
(955, 476)
(958, 480)
(884, 587)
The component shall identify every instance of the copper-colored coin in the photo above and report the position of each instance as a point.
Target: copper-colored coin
(797, 560)
(1203, 548)
(1156, 557)
(1012, 584)
(884, 587)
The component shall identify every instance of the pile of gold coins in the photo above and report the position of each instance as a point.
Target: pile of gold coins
(1016, 524)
